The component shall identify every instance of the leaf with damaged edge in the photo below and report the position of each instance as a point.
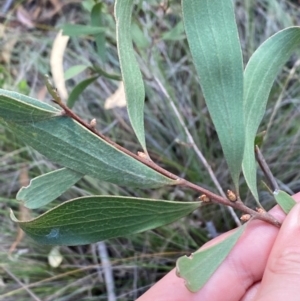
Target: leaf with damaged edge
(66, 142)
(284, 200)
(200, 266)
(213, 39)
(87, 220)
(259, 76)
(131, 74)
(46, 188)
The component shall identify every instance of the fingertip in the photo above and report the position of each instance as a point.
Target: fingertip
(292, 221)
(282, 272)
(296, 197)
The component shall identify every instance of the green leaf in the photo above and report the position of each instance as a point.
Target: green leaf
(200, 266)
(139, 38)
(284, 200)
(132, 77)
(78, 89)
(97, 21)
(46, 188)
(67, 142)
(88, 4)
(213, 39)
(75, 70)
(90, 219)
(25, 109)
(75, 30)
(259, 76)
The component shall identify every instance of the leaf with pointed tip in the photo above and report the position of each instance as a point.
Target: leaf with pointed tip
(284, 200)
(131, 74)
(87, 220)
(46, 188)
(201, 265)
(214, 43)
(259, 76)
(67, 142)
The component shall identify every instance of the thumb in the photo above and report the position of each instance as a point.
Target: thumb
(281, 278)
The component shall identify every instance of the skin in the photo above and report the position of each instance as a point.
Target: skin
(263, 266)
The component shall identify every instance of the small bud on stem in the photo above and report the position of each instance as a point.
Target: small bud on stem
(231, 196)
(51, 89)
(142, 155)
(245, 217)
(260, 210)
(93, 123)
(204, 198)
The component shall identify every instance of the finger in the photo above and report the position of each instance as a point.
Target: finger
(282, 274)
(244, 266)
(251, 292)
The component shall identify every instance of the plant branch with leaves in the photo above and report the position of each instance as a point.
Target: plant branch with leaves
(236, 100)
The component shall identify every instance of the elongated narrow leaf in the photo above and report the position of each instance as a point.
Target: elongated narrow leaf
(200, 266)
(213, 39)
(259, 76)
(284, 200)
(89, 219)
(46, 188)
(75, 30)
(70, 144)
(97, 21)
(132, 77)
(78, 89)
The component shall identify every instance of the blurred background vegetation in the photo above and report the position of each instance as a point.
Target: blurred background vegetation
(29, 48)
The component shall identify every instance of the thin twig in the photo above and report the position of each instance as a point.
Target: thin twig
(108, 275)
(196, 149)
(21, 284)
(265, 168)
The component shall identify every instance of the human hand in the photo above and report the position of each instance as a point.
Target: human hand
(263, 265)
